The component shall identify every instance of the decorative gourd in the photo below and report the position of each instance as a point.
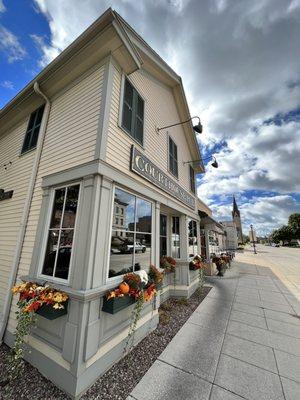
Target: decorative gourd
(124, 288)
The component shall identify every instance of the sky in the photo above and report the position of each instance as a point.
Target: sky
(240, 66)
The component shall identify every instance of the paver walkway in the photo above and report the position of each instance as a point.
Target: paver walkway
(243, 342)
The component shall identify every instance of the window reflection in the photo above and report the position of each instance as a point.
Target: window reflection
(175, 238)
(61, 231)
(163, 236)
(144, 216)
(130, 248)
(124, 206)
(193, 243)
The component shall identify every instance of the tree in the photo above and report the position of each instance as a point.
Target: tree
(285, 233)
(294, 224)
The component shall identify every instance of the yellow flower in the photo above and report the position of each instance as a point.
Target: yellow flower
(58, 306)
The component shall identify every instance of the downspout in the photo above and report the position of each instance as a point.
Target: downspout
(26, 210)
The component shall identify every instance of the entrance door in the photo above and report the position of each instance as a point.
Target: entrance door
(163, 242)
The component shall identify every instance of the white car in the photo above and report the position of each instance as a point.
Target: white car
(139, 248)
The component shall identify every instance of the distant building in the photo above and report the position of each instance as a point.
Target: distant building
(231, 234)
(237, 220)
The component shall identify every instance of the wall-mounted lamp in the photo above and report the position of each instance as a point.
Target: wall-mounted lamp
(213, 164)
(197, 128)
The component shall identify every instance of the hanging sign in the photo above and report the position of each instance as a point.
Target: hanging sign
(142, 166)
(5, 195)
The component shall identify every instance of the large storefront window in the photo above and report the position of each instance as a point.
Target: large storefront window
(193, 242)
(175, 237)
(163, 249)
(131, 237)
(61, 233)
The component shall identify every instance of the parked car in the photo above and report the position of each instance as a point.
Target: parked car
(128, 248)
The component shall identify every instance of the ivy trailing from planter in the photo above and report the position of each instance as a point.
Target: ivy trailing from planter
(32, 298)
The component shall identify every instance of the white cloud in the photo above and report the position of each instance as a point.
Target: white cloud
(2, 7)
(239, 64)
(7, 85)
(10, 45)
(266, 212)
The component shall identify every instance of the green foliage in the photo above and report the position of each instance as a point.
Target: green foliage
(15, 363)
(135, 316)
(288, 232)
(294, 224)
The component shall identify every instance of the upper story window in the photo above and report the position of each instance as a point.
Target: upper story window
(61, 233)
(192, 180)
(133, 113)
(173, 160)
(33, 129)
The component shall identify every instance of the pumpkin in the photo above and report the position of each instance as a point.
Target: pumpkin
(124, 288)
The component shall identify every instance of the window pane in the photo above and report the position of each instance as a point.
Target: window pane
(163, 246)
(34, 137)
(33, 128)
(163, 225)
(121, 253)
(140, 108)
(39, 116)
(127, 117)
(143, 216)
(142, 252)
(175, 238)
(192, 228)
(71, 206)
(49, 262)
(128, 93)
(139, 119)
(26, 144)
(57, 208)
(31, 121)
(139, 128)
(126, 204)
(127, 106)
(64, 254)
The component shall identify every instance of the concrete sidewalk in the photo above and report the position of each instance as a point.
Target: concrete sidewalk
(243, 342)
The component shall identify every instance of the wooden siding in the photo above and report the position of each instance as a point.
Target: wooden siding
(70, 140)
(160, 110)
(16, 177)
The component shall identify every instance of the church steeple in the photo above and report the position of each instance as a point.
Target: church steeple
(236, 216)
(235, 210)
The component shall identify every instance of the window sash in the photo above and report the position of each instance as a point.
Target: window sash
(173, 160)
(133, 113)
(33, 129)
(60, 230)
(133, 231)
(192, 179)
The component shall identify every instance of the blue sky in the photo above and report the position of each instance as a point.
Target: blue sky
(240, 66)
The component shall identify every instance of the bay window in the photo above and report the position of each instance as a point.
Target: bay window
(131, 238)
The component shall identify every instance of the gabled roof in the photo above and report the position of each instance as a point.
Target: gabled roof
(109, 34)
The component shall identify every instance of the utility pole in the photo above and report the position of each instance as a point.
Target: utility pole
(253, 241)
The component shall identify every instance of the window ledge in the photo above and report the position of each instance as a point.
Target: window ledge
(27, 152)
(76, 294)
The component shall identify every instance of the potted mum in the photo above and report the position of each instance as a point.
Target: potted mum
(33, 299)
(220, 264)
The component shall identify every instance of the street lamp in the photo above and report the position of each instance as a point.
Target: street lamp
(213, 164)
(197, 128)
(253, 241)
